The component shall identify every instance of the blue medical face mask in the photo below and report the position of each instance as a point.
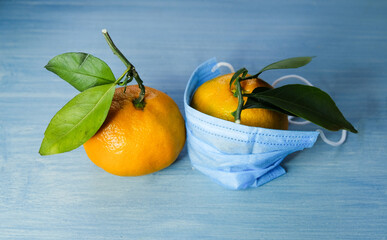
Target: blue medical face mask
(237, 156)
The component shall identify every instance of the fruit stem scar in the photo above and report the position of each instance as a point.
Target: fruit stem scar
(131, 71)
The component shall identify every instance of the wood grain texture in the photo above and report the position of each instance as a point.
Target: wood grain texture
(328, 193)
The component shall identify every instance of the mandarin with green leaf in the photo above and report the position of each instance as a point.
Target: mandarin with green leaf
(247, 99)
(127, 131)
(217, 99)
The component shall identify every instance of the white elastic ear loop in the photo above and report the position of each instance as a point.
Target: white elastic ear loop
(222, 64)
(322, 135)
(332, 143)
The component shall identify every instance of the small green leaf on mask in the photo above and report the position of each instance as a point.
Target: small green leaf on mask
(253, 102)
(306, 102)
(295, 62)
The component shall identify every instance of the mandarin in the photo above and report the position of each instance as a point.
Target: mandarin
(216, 99)
(134, 142)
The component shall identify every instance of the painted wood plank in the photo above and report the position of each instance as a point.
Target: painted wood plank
(328, 193)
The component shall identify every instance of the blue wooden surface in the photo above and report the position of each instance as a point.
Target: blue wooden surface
(328, 193)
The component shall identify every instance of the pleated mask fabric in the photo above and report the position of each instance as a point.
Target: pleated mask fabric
(234, 155)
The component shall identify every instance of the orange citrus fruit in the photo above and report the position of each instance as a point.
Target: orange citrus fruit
(215, 98)
(134, 142)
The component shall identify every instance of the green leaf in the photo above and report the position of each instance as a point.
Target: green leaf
(252, 102)
(78, 120)
(81, 70)
(306, 102)
(295, 62)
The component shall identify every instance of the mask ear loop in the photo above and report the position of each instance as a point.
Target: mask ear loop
(290, 118)
(223, 64)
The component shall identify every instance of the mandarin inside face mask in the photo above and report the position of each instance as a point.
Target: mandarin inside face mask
(233, 155)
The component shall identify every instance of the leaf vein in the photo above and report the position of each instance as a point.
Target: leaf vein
(80, 73)
(84, 60)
